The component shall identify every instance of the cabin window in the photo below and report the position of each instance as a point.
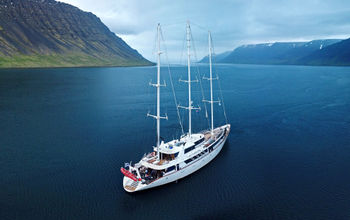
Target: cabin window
(170, 169)
(199, 141)
(188, 161)
(189, 149)
(197, 156)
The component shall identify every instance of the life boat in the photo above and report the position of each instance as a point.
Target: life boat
(129, 174)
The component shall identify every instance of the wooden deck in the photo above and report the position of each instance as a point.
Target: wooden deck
(207, 136)
(151, 161)
(161, 162)
(130, 188)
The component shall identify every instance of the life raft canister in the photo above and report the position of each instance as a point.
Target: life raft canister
(129, 174)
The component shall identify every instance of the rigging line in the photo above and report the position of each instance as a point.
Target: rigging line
(220, 90)
(199, 26)
(183, 48)
(149, 87)
(149, 97)
(154, 46)
(155, 50)
(213, 48)
(222, 100)
(152, 106)
(173, 23)
(171, 82)
(200, 79)
(183, 118)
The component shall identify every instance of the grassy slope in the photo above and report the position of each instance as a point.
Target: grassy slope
(64, 60)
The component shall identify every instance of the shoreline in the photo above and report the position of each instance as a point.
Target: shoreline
(269, 64)
(83, 66)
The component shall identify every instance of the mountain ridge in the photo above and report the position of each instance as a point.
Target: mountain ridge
(275, 53)
(290, 53)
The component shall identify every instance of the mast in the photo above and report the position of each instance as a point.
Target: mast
(188, 37)
(158, 85)
(211, 84)
(211, 101)
(189, 107)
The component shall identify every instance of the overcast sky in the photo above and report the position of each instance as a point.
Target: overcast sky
(232, 22)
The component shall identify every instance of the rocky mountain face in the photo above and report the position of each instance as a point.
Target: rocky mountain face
(335, 54)
(39, 33)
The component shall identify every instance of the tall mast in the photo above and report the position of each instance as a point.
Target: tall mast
(211, 84)
(188, 34)
(158, 85)
(189, 107)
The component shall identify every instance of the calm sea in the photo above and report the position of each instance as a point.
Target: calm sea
(65, 133)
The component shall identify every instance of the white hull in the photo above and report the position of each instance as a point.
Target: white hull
(183, 172)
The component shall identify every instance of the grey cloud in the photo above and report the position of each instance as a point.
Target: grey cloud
(232, 22)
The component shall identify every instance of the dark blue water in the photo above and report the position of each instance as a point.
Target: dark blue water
(65, 133)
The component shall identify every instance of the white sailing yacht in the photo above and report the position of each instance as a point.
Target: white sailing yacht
(178, 158)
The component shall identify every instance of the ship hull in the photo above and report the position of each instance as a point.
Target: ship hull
(183, 172)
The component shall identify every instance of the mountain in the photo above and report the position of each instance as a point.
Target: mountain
(47, 33)
(335, 54)
(276, 53)
(216, 57)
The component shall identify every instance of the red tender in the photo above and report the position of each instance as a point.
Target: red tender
(128, 174)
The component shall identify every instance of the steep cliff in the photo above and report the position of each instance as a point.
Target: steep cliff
(47, 33)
